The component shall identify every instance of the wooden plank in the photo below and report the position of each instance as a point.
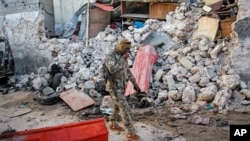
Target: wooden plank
(207, 26)
(132, 15)
(160, 10)
(76, 99)
(208, 2)
(99, 19)
(18, 112)
(226, 26)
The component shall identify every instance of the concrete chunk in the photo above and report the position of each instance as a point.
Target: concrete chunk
(186, 63)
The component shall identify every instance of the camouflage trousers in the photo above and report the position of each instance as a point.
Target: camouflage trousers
(120, 105)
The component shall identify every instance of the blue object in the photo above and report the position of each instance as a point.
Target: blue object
(138, 24)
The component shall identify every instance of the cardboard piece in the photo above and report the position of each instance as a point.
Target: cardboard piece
(208, 27)
(76, 99)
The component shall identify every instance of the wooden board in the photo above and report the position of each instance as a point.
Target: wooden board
(99, 19)
(208, 2)
(18, 112)
(207, 26)
(76, 99)
(160, 10)
(226, 26)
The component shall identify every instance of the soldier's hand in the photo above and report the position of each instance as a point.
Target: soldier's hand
(137, 88)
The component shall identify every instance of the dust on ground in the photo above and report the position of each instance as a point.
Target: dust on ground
(152, 123)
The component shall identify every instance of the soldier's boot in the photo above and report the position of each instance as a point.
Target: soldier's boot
(114, 126)
(132, 137)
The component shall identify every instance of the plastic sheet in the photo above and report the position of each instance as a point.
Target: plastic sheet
(142, 69)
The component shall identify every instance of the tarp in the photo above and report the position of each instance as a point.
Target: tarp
(142, 69)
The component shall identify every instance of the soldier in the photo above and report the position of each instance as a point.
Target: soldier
(117, 75)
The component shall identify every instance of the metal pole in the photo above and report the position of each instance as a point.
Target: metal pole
(87, 31)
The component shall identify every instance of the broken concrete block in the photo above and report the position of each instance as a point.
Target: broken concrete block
(215, 51)
(231, 81)
(180, 87)
(207, 8)
(210, 72)
(208, 93)
(158, 75)
(71, 85)
(222, 97)
(175, 110)
(185, 62)
(188, 95)
(245, 92)
(204, 81)
(174, 95)
(194, 78)
(243, 85)
(200, 120)
(170, 82)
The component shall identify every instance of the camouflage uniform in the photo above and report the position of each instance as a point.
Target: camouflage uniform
(118, 68)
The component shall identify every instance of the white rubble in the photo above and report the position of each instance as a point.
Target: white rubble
(189, 69)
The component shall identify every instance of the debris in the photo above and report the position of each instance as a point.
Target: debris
(76, 99)
(210, 30)
(207, 8)
(185, 62)
(245, 102)
(200, 120)
(18, 112)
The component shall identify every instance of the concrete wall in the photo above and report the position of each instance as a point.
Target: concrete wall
(23, 24)
(241, 28)
(64, 9)
(25, 31)
(49, 20)
(16, 6)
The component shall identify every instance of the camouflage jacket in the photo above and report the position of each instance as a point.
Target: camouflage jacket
(118, 68)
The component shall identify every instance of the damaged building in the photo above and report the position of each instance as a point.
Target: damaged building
(201, 46)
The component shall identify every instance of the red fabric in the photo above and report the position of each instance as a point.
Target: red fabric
(104, 7)
(142, 69)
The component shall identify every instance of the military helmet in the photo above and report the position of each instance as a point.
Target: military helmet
(123, 46)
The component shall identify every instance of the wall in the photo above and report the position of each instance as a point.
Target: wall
(64, 10)
(49, 20)
(241, 28)
(23, 24)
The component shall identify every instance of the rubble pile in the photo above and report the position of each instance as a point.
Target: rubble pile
(193, 71)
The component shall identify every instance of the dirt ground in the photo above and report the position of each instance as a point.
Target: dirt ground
(20, 111)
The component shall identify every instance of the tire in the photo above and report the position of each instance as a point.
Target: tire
(47, 99)
(56, 81)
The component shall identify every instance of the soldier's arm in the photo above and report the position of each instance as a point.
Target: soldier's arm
(112, 65)
(132, 78)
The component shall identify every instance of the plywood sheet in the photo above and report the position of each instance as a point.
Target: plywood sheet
(76, 99)
(226, 26)
(207, 26)
(99, 19)
(160, 10)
